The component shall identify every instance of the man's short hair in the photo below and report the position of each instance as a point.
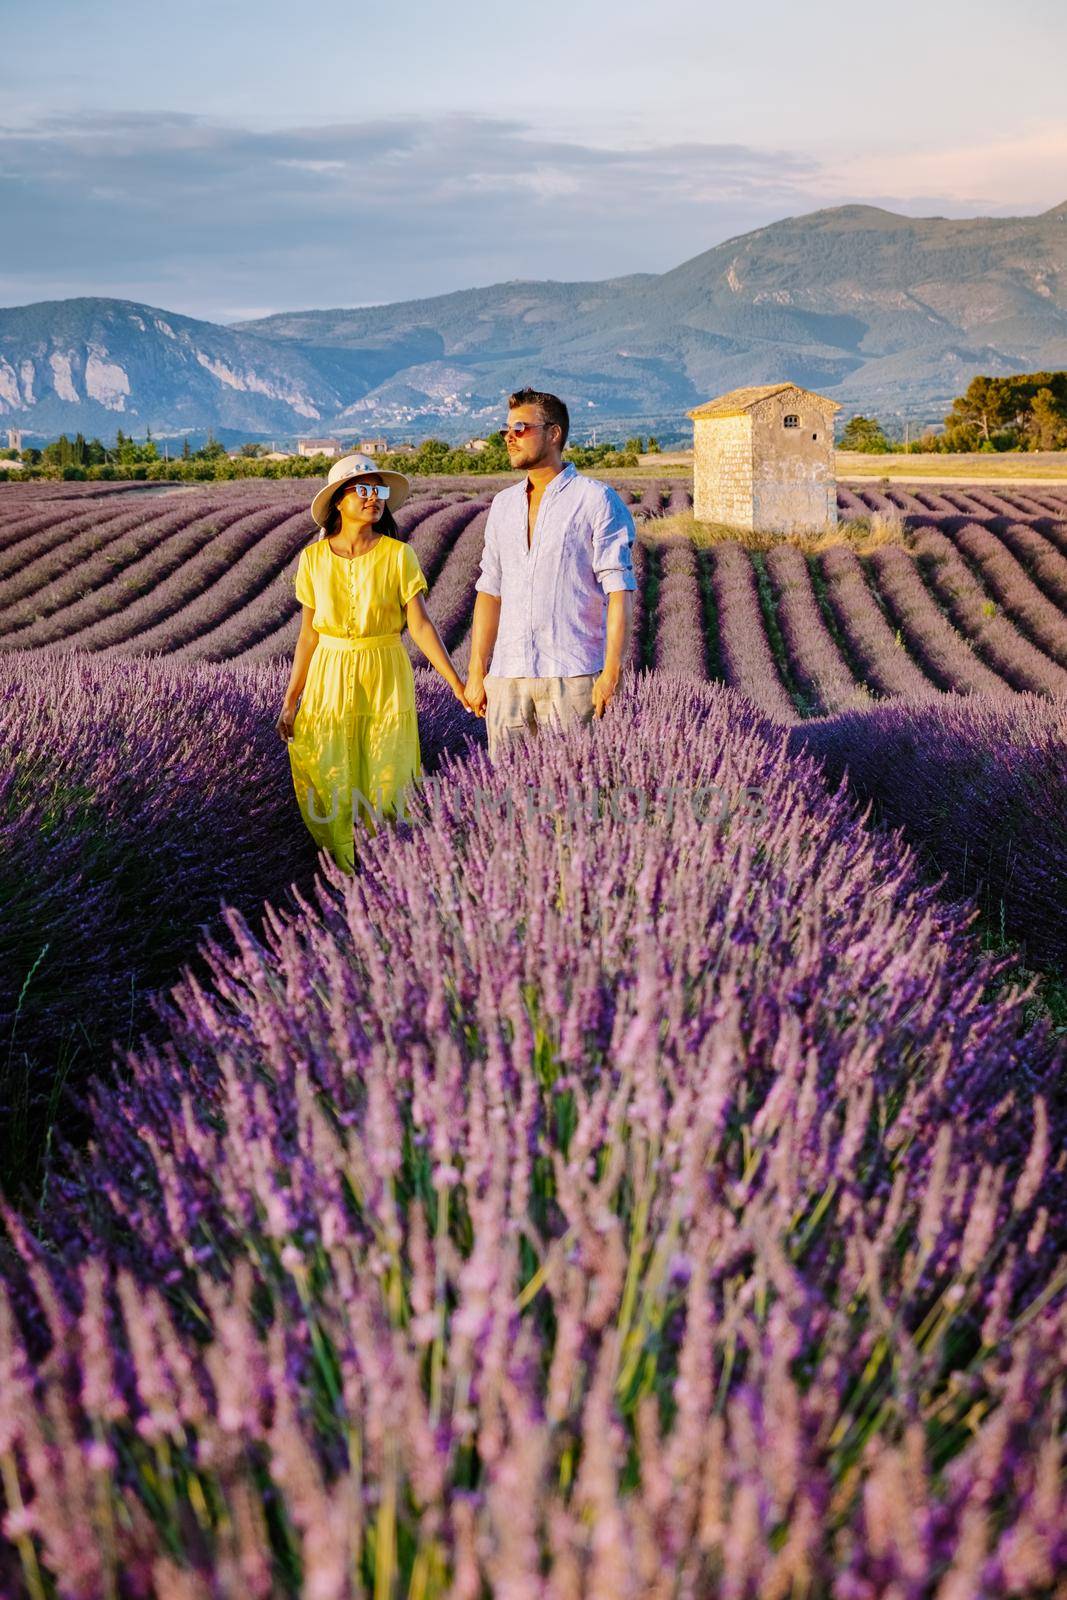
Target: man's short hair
(550, 406)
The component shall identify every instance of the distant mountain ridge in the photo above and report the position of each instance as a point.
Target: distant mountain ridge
(881, 311)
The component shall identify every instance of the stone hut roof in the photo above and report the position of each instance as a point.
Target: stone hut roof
(738, 401)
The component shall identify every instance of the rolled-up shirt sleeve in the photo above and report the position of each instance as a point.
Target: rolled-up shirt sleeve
(613, 538)
(488, 579)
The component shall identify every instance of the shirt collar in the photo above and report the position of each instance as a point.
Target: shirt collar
(569, 471)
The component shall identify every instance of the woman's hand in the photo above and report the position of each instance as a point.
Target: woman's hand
(458, 691)
(284, 724)
(474, 693)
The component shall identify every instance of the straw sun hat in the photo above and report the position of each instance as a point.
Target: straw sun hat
(347, 470)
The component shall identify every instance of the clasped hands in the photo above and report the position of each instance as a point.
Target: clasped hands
(474, 697)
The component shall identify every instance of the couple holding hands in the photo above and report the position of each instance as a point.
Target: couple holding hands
(552, 619)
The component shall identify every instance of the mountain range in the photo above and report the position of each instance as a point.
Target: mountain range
(885, 313)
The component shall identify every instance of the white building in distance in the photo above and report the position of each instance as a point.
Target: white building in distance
(318, 447)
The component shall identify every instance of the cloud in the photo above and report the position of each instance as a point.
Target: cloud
(198, 215)
(206, 218)
(1030, 166)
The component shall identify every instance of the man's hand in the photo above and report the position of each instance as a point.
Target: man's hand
(474, 692)
(603, 688)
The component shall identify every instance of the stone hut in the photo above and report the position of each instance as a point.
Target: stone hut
(763, 459)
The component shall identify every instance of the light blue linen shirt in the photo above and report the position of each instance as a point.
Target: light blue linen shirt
(553, 606)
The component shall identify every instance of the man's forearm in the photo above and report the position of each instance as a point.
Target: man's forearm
(483, 631)
(620, 620)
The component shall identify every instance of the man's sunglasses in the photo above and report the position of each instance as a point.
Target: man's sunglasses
(368, 491)
(519, 428)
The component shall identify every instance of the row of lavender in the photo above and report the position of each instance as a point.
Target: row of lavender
(976, 776)
(855, 500)
(137, 794)
(942, 500)
(833, 632)
(975, 608)
(459, 1239)
(199, 571)
(673, 496)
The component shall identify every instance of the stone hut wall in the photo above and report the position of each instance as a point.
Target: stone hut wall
(722, 470)
(794, 484)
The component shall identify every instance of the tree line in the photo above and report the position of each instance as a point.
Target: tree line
(1027, 411)
(1023, 412)
(80, 458)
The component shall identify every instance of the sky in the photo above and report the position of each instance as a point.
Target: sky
(232, 160)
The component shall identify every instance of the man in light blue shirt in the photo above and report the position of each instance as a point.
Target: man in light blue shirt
(553, 611)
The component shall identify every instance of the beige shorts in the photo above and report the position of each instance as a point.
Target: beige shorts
(515, 707)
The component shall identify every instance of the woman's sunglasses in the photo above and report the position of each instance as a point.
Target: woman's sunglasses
(368, 491)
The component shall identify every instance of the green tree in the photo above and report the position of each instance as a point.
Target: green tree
(997, 413)
(864, 433)
(987, 406)
(494, 458)
(211, 449)
(928, 443)
(432, 452)
(652, 448)
(634, 446)
(585, 456)
(186, 452)
(1046, 424)
(64, 452)
(132, 454)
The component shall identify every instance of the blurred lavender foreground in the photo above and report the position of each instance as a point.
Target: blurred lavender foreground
(566, 1207)
(136, 796)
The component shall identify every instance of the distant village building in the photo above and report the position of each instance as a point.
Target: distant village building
(372, 447)
(318, 447)
(476, 446)
(763, 459)
(14, 439)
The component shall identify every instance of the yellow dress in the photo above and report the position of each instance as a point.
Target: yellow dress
(355, 744)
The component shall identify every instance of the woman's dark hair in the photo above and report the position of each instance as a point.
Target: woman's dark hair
(386, 523)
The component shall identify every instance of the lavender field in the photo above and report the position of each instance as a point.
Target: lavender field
(974, 602)
(639, 1197)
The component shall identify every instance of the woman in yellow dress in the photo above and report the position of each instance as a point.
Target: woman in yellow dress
(349, 716)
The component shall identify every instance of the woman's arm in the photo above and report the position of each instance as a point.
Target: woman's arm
(305, 649)
(424, 632)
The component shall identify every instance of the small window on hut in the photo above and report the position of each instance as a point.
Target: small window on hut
(791, 422)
